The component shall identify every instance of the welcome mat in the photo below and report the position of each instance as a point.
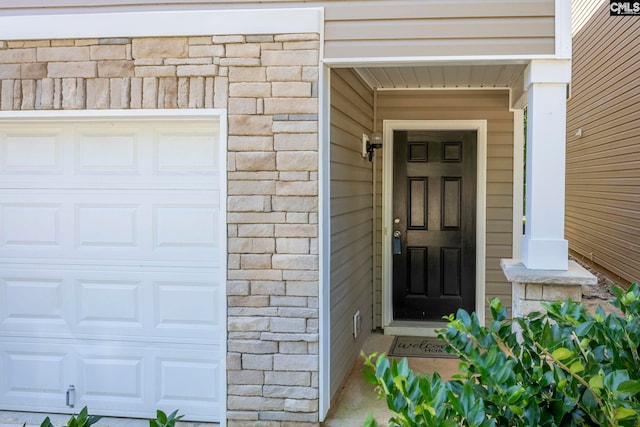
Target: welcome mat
(419, 347)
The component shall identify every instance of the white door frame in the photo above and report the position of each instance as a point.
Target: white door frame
(418, 328)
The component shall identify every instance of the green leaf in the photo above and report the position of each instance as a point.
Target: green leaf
(516, 409)
(596, 382)
(464, 317)
(625, 413)
(92, 419)
(562, 354)
(400, 382)
(589, 401)
(369, 376)
(514, 393)
(613, 380)
(584, 328)
(630, 387)
(161, 416)
(576, 367)
(370, 421)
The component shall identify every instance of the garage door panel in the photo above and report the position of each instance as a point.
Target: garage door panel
(29, 225)
(44, 373)
(112, 377)
(179, 153)
(34, 373)
(133, 305)
(123, 154)
(114, 303)
(112, 266)
(115, 225)
(156, 376)
(33, 302)
(187, 306)
(181, 227)
(190, 381)
(100, 225)
(32, 151)
(106, 153)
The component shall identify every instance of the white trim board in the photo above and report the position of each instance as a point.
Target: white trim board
(161, 24)
(440, 60)
(518, 182)
(109, 115)
(324, 242)
(563, 29)
(480, 126)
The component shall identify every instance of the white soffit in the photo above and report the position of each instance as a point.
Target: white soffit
(161, 24)
(452, 76)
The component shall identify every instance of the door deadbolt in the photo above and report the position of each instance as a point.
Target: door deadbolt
(397, 243)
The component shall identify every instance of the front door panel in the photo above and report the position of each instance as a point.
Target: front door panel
(434, 210)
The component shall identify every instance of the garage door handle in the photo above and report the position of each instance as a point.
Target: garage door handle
(71, 396)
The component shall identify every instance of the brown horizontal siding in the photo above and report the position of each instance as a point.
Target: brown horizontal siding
(581, 11)
(381, 28)
(603, 165)
(469, 105)
(351, 192)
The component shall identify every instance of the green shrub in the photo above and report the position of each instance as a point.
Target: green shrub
(565, 367)
(164, 420)
(83, 419)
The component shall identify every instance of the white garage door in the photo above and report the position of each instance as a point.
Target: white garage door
(112, 267)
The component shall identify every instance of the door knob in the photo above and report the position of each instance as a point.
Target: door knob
(396, 220)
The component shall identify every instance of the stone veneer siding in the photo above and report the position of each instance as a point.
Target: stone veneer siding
(268, 84)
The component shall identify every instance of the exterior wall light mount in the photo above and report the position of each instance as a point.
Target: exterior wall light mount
(375, 144)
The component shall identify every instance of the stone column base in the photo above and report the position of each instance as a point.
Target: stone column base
(531, 287)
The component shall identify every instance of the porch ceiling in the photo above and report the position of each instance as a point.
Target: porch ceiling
(450, 76)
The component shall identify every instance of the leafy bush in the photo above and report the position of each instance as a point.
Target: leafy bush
(565, 367)
(164, 420)
(83, 419)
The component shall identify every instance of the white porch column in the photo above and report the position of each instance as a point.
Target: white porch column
(544, 246)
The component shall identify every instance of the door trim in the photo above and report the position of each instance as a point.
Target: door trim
(480, 126)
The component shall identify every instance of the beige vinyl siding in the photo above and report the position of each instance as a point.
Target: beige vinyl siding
(492, 105)
(603, 165)
(373, 29)
(351, 220)
(581, 12)
(384, 28)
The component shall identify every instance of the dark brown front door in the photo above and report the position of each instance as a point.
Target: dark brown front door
(434, 213)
